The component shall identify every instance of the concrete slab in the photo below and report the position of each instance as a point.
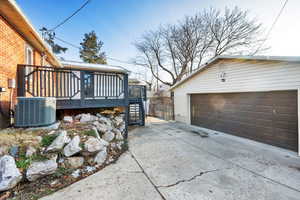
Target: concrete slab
(123, 180)
(170, 154)
(167, 160)
(275, 163)
(230, 184)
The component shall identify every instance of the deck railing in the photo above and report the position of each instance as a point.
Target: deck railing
(72, 84)
(137, 92)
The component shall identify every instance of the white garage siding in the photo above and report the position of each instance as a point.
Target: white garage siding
(240, 76)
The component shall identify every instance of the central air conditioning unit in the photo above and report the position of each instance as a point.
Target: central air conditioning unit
(35, 111)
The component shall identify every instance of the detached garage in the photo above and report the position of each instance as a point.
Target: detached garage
(252, 97)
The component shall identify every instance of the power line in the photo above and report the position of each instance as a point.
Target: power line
(74, 13)
(77, 47)
(273, 25)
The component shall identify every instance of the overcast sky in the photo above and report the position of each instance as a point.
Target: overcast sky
(119, 23)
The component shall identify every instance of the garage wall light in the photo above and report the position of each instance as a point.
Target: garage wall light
(223, 76)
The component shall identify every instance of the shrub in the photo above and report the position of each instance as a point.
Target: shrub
(48, 139)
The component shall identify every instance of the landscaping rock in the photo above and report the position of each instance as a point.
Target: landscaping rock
(87, 118)
(93, 145)
(4, 150)
(108, 136)
(14, 151)
(101, 157)
(10, 176)
(52, 156)
(96, 132)
(30, 151)
(89, 169)
(39, 138)
(51, 133)
(105, 120)
(119, 135)
(59, 141)
(74, 162)
(76, 173)
(68, 119)
(40, 169)
(120, 145)
(102, 128)
(122, 128)
(73, 147)
(118, 120)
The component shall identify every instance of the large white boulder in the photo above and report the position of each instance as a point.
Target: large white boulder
(39, 169)
(119, 135)
(93, 145)
(59, 141)
(10, 176)
(87, 118)
(101, 157)
(101, 127)
(108, 136)
(73, 147)
(104, 120)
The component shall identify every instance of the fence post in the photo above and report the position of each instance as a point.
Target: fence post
(21, 80)
(172, 105)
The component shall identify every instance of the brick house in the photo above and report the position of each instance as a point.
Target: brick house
(20, 43)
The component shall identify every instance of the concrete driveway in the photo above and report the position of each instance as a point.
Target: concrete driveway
(170, 161)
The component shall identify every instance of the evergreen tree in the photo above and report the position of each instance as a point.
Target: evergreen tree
(90, 50)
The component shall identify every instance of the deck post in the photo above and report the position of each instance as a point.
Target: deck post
(82, 88)
(126, 104)
(21, 80)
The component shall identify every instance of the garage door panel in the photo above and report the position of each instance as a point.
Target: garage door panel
(270, 117)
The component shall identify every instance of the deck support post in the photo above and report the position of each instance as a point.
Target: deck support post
(21, 81)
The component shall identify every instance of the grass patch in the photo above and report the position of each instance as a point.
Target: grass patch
(23, 163)
(38, 157)
(90, 133)
(48, 139)
(81, 145)
(62, 171)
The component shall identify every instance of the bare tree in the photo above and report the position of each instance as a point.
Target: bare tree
(177, 50)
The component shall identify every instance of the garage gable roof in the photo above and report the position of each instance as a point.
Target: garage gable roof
(222, 57)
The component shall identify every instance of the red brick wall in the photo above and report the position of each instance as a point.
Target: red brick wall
(12, 53)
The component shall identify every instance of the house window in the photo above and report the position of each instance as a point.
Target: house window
(28, 59)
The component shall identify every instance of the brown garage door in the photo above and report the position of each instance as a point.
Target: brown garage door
(269, 117)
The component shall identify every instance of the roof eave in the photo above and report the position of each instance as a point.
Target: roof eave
(261, 58)
(16, 18)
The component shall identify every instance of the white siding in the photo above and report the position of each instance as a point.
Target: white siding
(241, 76)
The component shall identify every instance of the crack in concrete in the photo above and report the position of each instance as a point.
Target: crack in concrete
(241, 167)
(188, 180)
(146, 175)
